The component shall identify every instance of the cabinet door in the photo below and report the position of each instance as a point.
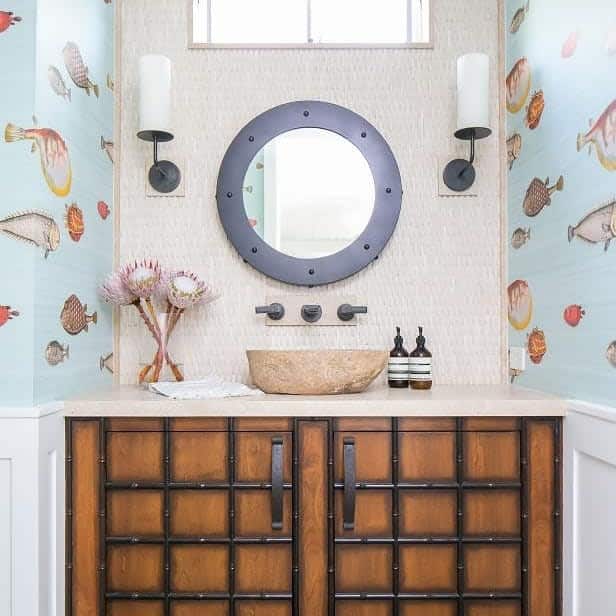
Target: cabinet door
(179, 522)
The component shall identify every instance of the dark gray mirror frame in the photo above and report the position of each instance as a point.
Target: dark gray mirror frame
(323, 270)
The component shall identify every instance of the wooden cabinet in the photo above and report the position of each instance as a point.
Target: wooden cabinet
(281, 517)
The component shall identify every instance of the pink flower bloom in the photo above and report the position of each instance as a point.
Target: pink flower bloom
(114, 291)
(142, 278)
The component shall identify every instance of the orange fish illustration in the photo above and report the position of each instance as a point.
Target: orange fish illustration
(537, 345)
(73, 219)
(535, 109)
(602, 135)
(55, 160)
(518, 84)
(6, 314)
(8, 19)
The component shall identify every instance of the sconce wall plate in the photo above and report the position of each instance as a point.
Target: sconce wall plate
(459, 174)
(164, 176)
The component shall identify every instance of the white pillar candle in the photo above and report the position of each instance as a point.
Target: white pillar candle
(474, 91)
(154, 93)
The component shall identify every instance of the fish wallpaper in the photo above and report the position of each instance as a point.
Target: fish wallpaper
(561, 159)
(56, 214)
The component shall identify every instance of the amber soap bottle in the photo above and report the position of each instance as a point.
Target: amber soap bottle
(398, 367)
(420, 365)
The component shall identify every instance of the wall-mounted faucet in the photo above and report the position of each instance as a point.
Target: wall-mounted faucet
(346, 312)
(311, 313)
(274, 311)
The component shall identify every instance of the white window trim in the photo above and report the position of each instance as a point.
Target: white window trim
(423, 45)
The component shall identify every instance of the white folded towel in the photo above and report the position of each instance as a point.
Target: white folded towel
(208, 388)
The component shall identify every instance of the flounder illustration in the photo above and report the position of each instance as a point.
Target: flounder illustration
(597, 227)
(602, 135)
(55, 160)
(539, 194)
(55, 353)
(514, 147)
(33, 227)
(518, 84)
(77, 69)
(534, 111)
(74, 317)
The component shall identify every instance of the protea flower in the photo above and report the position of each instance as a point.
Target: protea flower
(115, 291)
(185, 289)
(143, 278)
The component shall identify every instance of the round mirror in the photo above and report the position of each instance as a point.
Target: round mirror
(309, 193)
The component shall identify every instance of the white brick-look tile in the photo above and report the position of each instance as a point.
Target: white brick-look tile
(442, 266)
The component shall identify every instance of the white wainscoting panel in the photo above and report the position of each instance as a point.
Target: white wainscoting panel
(590, 512)
(6, 552)
(31, 514)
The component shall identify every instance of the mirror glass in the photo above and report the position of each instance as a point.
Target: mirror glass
(309, 193)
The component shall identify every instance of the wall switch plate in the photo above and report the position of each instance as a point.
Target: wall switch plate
(442, 189)
(293, 307)
(517, 359)
(180, 191)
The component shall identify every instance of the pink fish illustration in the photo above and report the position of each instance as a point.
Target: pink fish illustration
(570, 45)
(610, 42)
(602, 135)
(8, 19)
(55, 160)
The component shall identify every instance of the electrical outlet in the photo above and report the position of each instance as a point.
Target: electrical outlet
(517, 359)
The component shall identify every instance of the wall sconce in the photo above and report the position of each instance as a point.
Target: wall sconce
(155, 118)
(473, 116)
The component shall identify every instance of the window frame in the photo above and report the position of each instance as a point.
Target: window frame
(408, 45)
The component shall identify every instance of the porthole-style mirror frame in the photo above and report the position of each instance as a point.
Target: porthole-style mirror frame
(323, 270)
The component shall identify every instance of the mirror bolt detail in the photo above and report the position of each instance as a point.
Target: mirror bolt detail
(274, 311)
(346, 312)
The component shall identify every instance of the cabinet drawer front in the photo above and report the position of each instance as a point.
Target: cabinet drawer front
(492, 456)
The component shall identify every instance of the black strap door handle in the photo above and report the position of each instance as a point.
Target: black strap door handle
(277, 483)
(349, 484)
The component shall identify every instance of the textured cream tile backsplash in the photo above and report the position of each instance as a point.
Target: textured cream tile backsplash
(442, 268)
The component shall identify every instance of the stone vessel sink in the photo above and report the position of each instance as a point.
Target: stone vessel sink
(315, 372)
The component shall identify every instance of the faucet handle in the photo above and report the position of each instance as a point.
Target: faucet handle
(346, 312)
(311, 313)
(274, 311)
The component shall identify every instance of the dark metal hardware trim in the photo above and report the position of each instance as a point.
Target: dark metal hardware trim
(323, 270)
(346, 312)
(277, 481)
(459, 174)
(349, 483)
(274, 311)
(311, 313)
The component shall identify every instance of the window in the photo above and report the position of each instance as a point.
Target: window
(310, 23)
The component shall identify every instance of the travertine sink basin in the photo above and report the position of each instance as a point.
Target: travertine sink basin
(315, 372)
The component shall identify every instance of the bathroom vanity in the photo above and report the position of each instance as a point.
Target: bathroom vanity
(383, 503)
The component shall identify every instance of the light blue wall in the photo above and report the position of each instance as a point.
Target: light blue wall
(571, 50)
(76, 267)
(17, 61)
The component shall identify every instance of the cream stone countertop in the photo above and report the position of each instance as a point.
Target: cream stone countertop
(378, 401)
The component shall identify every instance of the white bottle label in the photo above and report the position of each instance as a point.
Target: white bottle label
(420, 368)
(398, 369)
